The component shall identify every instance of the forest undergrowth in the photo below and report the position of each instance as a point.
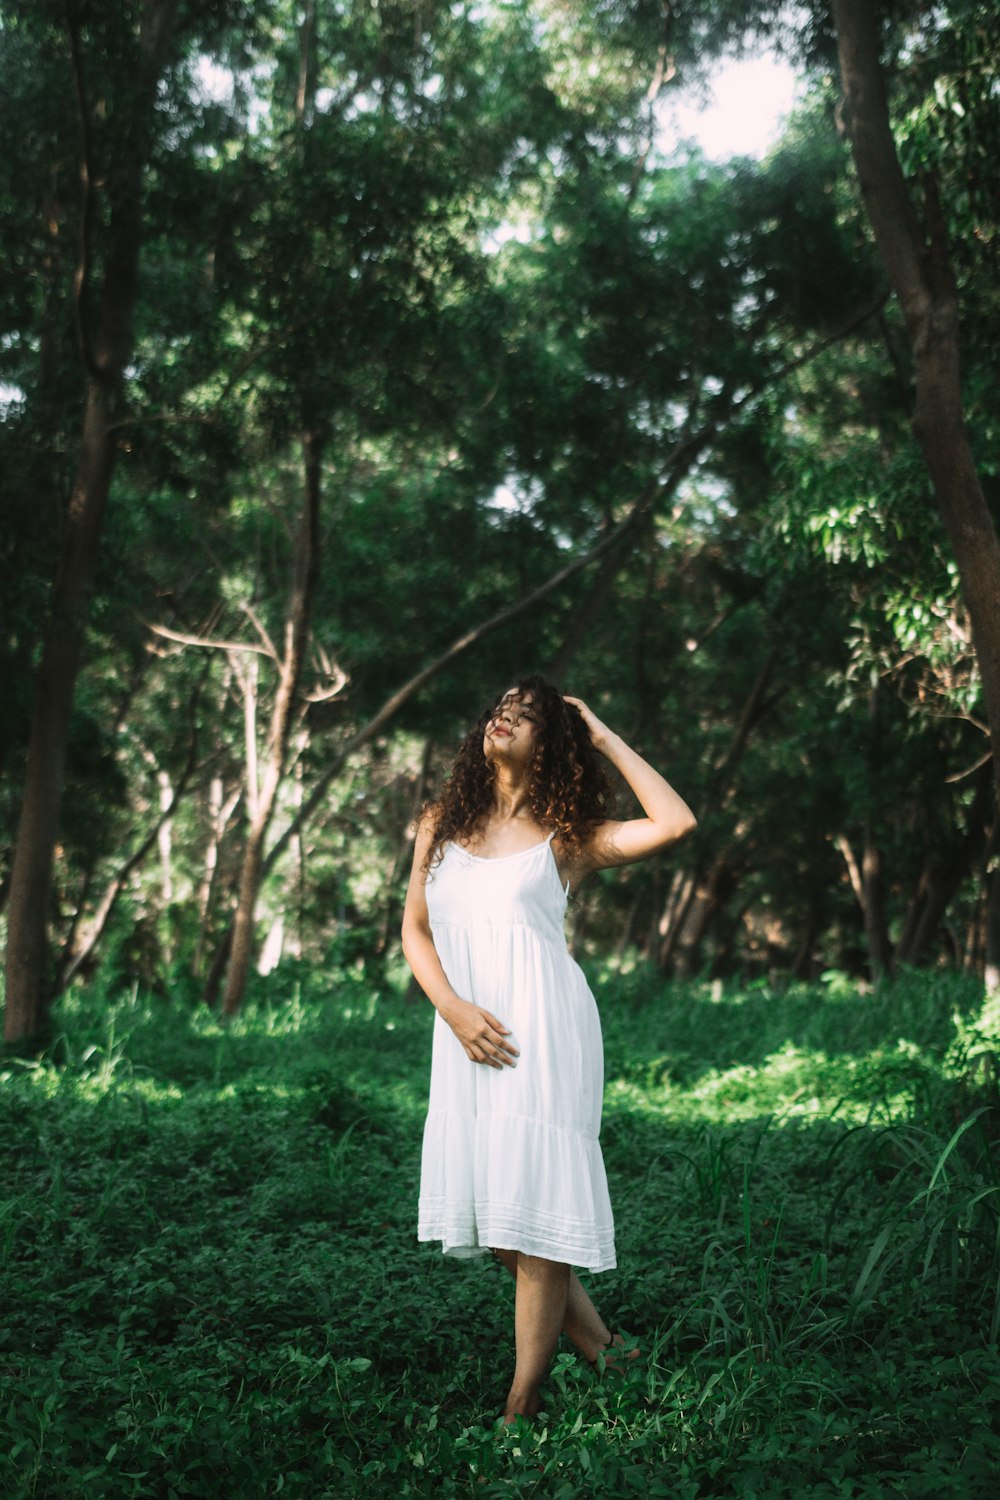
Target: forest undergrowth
(211, 1284)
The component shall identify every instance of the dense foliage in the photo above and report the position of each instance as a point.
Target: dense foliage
(212, 1284)
(442, 253)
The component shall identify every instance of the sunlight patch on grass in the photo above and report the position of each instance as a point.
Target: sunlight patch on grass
(791, 1082)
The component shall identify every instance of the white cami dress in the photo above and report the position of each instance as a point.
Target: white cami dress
(511, 1158)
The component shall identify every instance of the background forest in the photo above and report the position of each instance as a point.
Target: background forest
(420, 359)
(358, 357)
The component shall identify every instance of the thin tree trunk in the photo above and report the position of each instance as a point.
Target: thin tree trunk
(296, 636)
(922, 277)
(28, 987)
(220, 810)
(403, 851)
(164, 838)
(682, 891)
(217, 972)
(992, 975)
(710, 891)
(247, 675)
(628, 926)
(685, 886)
(305, 90)
(942, 877)
(866, 883)
(873, 905)
(296, 933)
(802, 964)
(853, 869)
(70, 940)
(73, 961)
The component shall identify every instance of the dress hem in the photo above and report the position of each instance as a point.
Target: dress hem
(562, 1254)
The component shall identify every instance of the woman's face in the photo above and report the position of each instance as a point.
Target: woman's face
(510, 733)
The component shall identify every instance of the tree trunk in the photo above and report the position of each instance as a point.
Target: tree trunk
(220, 810)
(873, 905)
(28, 978)
(802, 964)
(403, 852)
(866, 883)
(942, 876)
(686, 884)
(83, 948)
(295, 937)
(921, 275)
(710, 891)
(296, 636)
(165, 838)
(626, 935)
(247, 673)
(992, 975)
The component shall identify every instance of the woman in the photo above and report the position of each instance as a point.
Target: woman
(511, 1159)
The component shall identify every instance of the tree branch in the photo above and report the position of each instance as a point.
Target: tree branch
(72, 961)
(664, 71)
(269, 646)
(183, 639)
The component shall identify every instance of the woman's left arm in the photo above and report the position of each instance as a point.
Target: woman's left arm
(668, 816)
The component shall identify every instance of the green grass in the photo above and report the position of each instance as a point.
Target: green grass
(211, 1285)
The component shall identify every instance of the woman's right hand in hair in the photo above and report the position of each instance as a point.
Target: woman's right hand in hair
(480, 1033)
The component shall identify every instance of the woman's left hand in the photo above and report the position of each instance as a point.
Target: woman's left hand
(599, 733)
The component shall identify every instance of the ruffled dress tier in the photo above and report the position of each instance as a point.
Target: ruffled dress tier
(511, 1158)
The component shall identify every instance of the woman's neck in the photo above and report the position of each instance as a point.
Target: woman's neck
(510, 796)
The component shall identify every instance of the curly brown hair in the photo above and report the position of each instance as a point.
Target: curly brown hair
(569, 790)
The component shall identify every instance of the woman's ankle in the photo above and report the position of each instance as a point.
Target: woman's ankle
(521, 1404)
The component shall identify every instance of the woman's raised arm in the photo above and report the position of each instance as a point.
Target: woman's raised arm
(668, 817)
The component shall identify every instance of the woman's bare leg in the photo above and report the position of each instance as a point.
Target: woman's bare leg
(583, 1324)
(539, 1314)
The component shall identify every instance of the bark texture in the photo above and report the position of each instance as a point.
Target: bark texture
(27, 968)
(922, 278)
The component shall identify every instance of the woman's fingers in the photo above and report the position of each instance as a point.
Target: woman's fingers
(498, 1034)
(598, 732)
(490, 1044)
(483, 1037)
